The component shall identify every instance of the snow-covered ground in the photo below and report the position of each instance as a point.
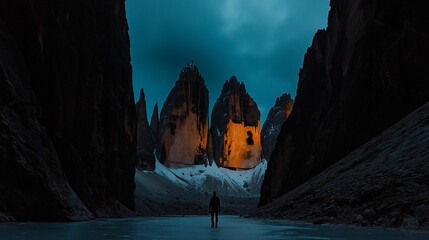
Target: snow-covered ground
(226, 182)
(168, 191)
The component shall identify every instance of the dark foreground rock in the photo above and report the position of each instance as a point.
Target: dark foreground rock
(382, 183)
(277, 115)
(67, 116)
(360, 76)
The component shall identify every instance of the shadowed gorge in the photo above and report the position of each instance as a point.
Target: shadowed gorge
(86, 151)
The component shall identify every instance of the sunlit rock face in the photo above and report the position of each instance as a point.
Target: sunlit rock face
(145, 140)
(235, 128)
(275, 119)
(183, 134)
(67, 112)
(242, 147)
(362, 74)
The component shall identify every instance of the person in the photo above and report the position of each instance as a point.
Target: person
(214, 208)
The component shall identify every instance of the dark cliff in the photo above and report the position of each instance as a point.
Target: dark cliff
(360, 76)
(67, 114)
(183, 126)
(272, 126)
(145, 140)
(382, 183)
(235, 128)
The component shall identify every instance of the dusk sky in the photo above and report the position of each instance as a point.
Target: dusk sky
(261, 42)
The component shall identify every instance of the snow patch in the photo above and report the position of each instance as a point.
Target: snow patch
(246, 183)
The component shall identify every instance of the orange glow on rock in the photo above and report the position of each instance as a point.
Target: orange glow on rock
(188, 141)
(242, 146)
(288, 110)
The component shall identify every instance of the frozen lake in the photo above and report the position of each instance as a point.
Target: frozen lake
(197, 227)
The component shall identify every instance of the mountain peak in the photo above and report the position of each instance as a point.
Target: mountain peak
(233, 86)
(142, 96)
(190, 67)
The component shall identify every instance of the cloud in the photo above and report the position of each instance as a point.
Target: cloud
(261, 42)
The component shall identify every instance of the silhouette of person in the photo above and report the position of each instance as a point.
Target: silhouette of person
(214, 207)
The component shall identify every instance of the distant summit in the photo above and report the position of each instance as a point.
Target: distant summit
(235, 128)
(190, 65)
(272, 126)
(145, 139)
(183, 124)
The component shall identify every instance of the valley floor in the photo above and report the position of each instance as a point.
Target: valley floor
(197, 227)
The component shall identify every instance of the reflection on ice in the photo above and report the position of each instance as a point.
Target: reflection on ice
(197, 227)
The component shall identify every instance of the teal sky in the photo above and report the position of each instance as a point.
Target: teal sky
(262, 42)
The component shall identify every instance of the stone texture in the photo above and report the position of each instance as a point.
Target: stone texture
(183, 130)
(154, 123)
(275, 119)
(67, 114)
(145, 140)
(360, 76)
(235, 128)
(382, 183)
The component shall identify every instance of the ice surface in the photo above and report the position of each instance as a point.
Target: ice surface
(197, 227)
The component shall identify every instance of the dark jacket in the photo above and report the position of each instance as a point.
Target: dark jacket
(214, 204)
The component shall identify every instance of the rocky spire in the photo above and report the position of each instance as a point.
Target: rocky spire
(235, 128)
(145, 140)
(183, 130)
(154, 122)
(274, 122)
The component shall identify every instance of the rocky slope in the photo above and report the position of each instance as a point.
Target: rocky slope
(384, 182)
(67, 115)
(145, 140)
(360, 76)
(183, 129)
(235, 128)
(275, 119)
